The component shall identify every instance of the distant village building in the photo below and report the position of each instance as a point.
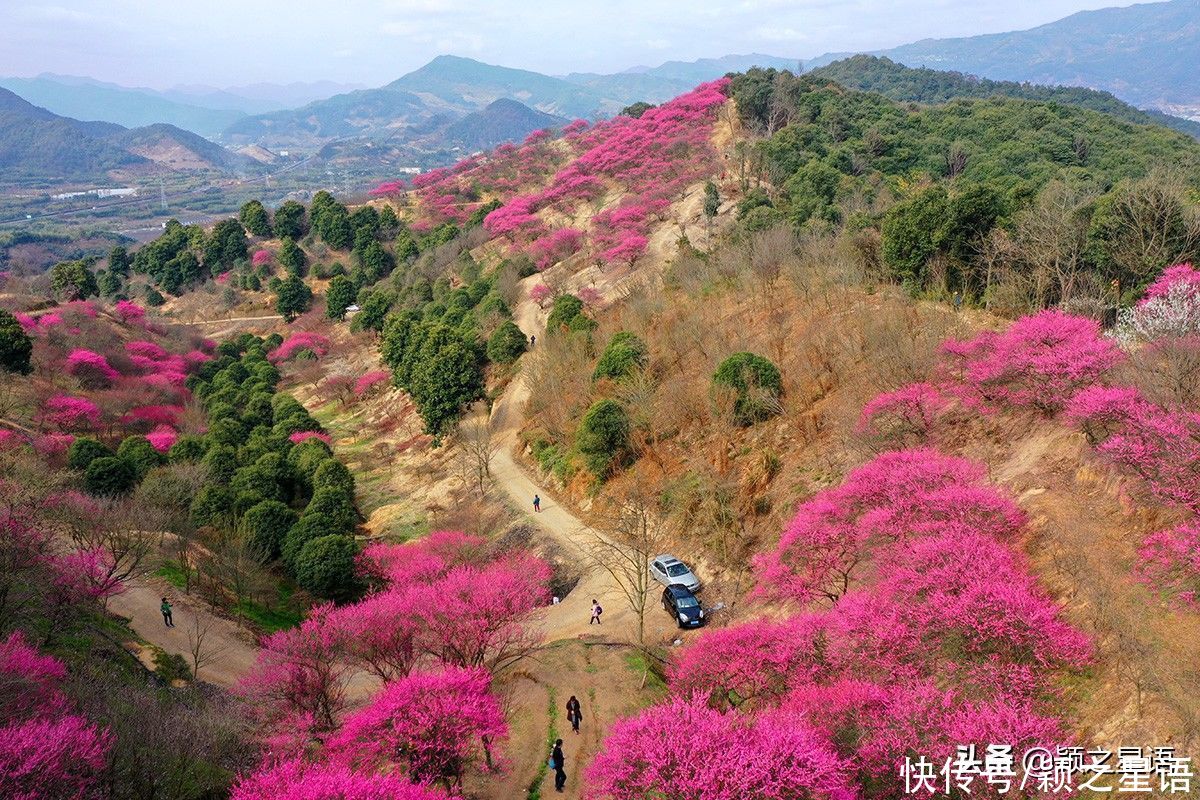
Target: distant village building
(126, 192)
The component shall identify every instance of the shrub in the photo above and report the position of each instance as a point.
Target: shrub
(84, 450)
(309, 527)
(565, 309)
(333, 474)
(332, 504)
(603, 437)
(92, 369)
(1170, 308)
(171, 666)
(757, 385)
(506, 344)
(368, 381)
(213, 506)
(109, 476)
(221, 462)
(141, 455)
(266, 525)
(624, 355)
(325, 567)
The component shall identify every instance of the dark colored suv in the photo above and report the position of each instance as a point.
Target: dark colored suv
(682, 604)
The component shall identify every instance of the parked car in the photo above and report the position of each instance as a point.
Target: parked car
(681, 603)
(669, 570)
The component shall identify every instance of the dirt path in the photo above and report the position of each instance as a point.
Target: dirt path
(582, 659)
(232, 319)
(230, 651)
(570, 618)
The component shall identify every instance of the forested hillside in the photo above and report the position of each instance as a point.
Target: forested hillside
(951, 188)
(931, 86)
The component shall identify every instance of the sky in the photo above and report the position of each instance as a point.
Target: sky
(161, 43)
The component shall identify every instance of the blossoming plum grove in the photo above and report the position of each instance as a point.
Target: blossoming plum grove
(445, 616)
(928, 633)
(648, 162)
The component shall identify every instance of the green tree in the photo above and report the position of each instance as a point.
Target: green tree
(373, 311)
(16, 348)
(213, 506)
(254, 217)
(290, 220)
(603, 437)
(334, 504)
(325, 567)
(335, 228)
(291, 257)
(636, 110)
(338, 297)
(376, 261)
(221, 462)
(109, 476)
(913, 231)
(506, 343)
(266, 525)
(756, 382)
(566, 308)
(712, 200)
(119, 261)
(333, 474)
(293, 298)
(445, 377)
(624, 354)
(109, 283)
(307, 528)
(73, 280)
(154, 298)
(140, 454)
(225, 246)
(186, 448)
(84, 450)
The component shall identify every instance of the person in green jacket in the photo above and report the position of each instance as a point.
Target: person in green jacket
(166, 612)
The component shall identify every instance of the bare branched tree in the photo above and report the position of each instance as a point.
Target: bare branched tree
(475, 447)
(632, 536)
(202, 646)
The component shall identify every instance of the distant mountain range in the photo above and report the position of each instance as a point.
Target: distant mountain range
(38, 146)
(204, 110)
(451, 103)
(1145, 54)
(657, 84)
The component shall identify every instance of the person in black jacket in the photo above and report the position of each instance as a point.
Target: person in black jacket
(559, 763)
(573, 713)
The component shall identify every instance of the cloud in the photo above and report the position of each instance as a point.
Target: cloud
(400, 28)
(56, 14)
(772, 34)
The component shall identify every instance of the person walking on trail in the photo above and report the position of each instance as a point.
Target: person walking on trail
(559, 763)
(573, 713)
(537, 504)
(596, 612)
(957, 301)
(532, 339)
(166, 612)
